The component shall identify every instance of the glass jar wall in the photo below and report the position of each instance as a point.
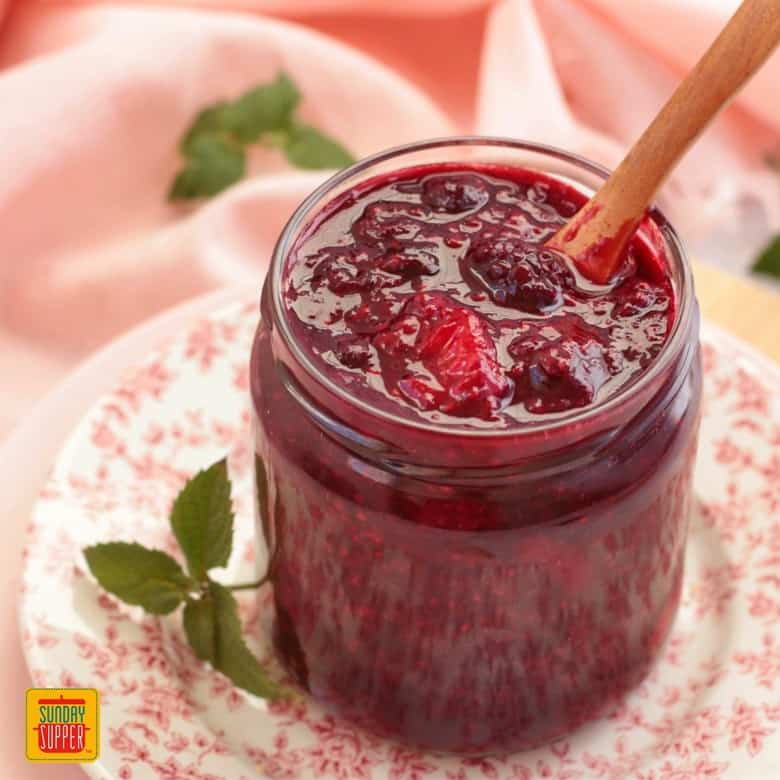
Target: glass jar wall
(469, 589)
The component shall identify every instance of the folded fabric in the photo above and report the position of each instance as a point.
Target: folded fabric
(96, 95)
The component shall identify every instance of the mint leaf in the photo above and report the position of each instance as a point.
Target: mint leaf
(200, 627)
(202, 520)
(209, 121)
(230, 654)
(768, 261)
(214, 145)
(307, 147)
(261, 109)
(137, 575)
(213, 164)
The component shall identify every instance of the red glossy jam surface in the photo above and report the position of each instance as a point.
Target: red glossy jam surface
(430, 293)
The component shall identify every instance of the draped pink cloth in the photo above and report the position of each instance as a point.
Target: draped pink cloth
(94, 96)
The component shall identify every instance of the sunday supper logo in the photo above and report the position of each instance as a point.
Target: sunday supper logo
(62, 724)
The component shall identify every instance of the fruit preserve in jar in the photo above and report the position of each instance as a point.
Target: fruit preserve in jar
(473, 464)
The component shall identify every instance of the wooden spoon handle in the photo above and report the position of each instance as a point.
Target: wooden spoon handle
(597, 234)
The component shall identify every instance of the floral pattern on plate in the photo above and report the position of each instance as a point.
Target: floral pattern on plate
(710, 708)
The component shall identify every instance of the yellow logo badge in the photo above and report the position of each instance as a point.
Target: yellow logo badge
(62, 724)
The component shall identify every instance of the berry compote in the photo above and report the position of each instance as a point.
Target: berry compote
(473, 464)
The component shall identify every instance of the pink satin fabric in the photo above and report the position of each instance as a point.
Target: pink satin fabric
(95, 95)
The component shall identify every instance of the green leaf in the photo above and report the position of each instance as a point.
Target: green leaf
(209, 121)
(307, 147)
(214, 146)
(202, 520)
(137, 575)
(768, 261)
(231, 656)
(261, 109)
(200, 627)
(214, 163)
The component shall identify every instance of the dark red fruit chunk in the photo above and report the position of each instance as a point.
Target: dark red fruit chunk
(388, 224)
(517, 274)
(636, 296)
(554, 374)
(342, 275)
(454, 195)
(453, 345)
(409, 263)
(354, 355)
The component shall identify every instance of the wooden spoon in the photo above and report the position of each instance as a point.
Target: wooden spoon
(596, 236)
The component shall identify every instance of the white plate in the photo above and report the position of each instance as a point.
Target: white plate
(710, 709)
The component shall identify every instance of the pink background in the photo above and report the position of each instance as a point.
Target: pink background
(95, 95)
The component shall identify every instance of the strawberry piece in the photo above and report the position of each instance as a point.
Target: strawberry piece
(461, 375)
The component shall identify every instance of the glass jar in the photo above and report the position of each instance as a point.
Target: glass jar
(472, 641)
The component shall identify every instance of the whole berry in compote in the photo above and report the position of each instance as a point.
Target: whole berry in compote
(560, 371)
(454, 194)
(518, 274)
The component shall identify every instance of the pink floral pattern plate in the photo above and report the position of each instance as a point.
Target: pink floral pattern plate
(710, 709)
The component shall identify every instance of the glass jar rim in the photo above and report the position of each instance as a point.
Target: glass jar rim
(671, 348)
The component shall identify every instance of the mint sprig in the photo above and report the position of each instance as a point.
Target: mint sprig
(214, 146)
(202, 522)
(768, 262)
